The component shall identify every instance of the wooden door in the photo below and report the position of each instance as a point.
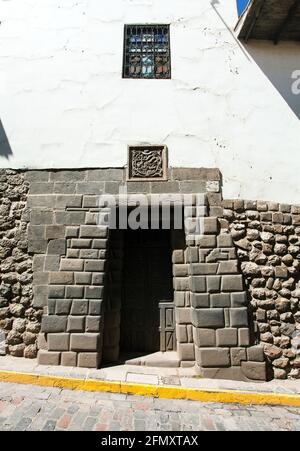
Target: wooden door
(147, 281)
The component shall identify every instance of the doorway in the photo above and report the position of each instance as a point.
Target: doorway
(147, 282)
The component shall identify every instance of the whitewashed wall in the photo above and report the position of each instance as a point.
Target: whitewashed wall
(63, 102)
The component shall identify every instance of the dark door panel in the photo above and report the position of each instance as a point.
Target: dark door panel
(147, 282)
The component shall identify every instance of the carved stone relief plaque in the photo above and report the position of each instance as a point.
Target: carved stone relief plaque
(147, 163)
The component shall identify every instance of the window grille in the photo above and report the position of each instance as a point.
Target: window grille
(147, 51)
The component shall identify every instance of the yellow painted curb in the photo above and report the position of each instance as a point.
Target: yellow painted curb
(156, 391)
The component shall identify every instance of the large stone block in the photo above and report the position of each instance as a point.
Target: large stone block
(228, 267)
(54, 232)
(195, 174)
(254, 370)
(71, 264)
(83, 278)
(39, 216)
(206, 318)
(36, 232)
(232, 283)
(48, 358)
(95, 307)
(99, 244)
(85, 342)
(180, 270)
(198, 284)
(181, 283)
(69, 217)
(244, 337)
(72, 232)
(90, 188)
(213, 357)
(203, 268)
(58, 342)
(73, 253)
(57, 247)
(220, 300)
(94, 292)
(56, 292)
(61, 278)
(217, 255)
(37, 176)
(210, 226)
(68, 175)
(40, 296)
(186, 351)
(206, 241)
(93, 323)
(94, 265)
(181, 333)
(238, 317)
(53, 323)
(103, 175)
(98, 278)
(79, 307)
(40, 201)
(183, 315)
(38, 263)
(76, 324)
(227, 337)
(239, 299)
(71, 201)
(200, 300)
(213, 284)
(40, 278)
(256, 354)
(89, 254)
(74, 292)
(93, 231)
(179, 298)
(204, 338)
(237, 356)
(69, 358)
(64, 187)
(62, 306)
(82, 243)
(225, 240)
(88, 359)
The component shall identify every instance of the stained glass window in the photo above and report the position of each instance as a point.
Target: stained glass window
(147, 51)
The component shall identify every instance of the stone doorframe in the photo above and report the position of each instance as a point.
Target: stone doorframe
(212, 318)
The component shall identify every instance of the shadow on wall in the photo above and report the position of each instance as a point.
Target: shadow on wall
(279, 64)
(5, 149)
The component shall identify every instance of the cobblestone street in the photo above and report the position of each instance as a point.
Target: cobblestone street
(24, 407)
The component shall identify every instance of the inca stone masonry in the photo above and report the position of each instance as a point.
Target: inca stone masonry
(164, 102)
(71, 293)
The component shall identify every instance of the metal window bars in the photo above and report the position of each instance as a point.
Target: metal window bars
(147, 51)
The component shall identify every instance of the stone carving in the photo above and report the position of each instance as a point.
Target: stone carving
(147, 162)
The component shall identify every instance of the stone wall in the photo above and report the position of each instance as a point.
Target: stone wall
(71, 250)
(19, 320)
(267, 238)
(236, 282)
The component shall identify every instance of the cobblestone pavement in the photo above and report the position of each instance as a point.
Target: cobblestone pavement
(25, 407)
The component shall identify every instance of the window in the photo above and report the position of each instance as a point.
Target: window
(147, 51)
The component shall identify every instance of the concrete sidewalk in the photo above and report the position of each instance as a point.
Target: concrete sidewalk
(180, 383)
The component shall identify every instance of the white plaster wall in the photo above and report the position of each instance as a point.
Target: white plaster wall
(63, 102)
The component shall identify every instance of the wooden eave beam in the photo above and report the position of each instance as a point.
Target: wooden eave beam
(291, 13)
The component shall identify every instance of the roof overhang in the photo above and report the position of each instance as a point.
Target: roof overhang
(276, 20)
